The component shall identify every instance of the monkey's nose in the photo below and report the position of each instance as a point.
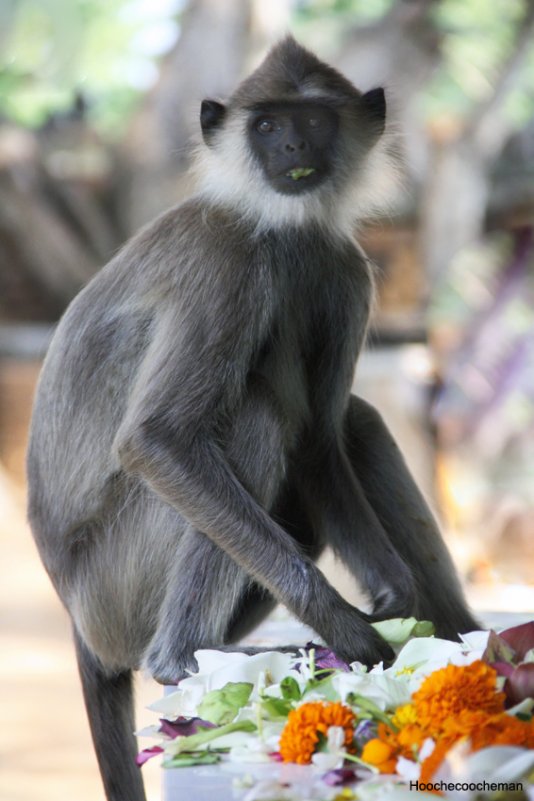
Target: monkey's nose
(294, 145)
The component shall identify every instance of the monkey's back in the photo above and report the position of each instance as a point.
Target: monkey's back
(88, 373)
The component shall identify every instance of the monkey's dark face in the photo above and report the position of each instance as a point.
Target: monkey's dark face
(294, 143)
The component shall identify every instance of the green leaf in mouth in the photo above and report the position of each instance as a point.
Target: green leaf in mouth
(300, 172)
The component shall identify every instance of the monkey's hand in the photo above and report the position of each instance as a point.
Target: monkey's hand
(353, 639)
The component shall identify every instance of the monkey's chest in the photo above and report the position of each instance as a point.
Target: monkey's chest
(314, 341)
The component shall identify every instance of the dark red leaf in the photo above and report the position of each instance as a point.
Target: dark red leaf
(520, 685)
(520, 638)
(498, 650)
(503, 668)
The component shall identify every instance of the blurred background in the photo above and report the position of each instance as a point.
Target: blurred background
(99, 101)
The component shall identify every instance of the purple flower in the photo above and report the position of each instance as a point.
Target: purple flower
(365, 731)
(183, 727)
(326, 659)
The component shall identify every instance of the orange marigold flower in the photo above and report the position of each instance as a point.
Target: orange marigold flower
(382, 751)
(380, 754)
(410, 738)
(447, 692)
(482, 730)
(430, 765)
(300, 736)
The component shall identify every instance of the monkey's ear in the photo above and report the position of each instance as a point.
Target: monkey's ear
(375, 102)
(211, 116)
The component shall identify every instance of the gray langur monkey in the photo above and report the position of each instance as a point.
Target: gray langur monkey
(195, 444)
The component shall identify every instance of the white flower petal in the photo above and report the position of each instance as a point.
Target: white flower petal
(327, 761)
(408, 771)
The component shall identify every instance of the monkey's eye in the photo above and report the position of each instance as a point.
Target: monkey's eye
(266, 126)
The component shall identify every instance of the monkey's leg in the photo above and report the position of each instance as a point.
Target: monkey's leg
(206, 586)
(407, 519)
(109, 703)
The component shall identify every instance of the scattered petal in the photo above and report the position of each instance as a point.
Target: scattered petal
(326, 659)
(147, 753)
(340, 776)
(183, 727)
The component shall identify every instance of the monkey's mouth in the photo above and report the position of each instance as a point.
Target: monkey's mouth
(297, 173)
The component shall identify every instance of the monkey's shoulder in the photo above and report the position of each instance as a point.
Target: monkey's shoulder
(193, 227)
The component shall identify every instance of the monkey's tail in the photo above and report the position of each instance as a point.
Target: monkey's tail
(110, 709)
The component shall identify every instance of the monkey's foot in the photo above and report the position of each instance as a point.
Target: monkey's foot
(394, 600)
(169, 666)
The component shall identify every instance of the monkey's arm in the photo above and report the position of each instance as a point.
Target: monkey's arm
(193, 374)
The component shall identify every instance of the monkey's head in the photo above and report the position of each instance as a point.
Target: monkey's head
(293, 142)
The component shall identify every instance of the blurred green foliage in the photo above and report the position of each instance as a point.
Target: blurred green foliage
(106, 49)
(477, 36)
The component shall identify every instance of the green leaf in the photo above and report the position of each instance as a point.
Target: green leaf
(221, 706)
(187, 760)
(399, 630)
(194, 741)
(276, 708)
(290, 689)
(322, 685)
(322, 742)
(423, 628)
(369, 708)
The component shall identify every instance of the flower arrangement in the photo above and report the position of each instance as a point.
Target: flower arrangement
(444, 714)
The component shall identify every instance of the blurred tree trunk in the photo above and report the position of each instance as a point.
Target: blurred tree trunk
(400, 51)
(457, 192)
(206, 61)
(45, 256)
